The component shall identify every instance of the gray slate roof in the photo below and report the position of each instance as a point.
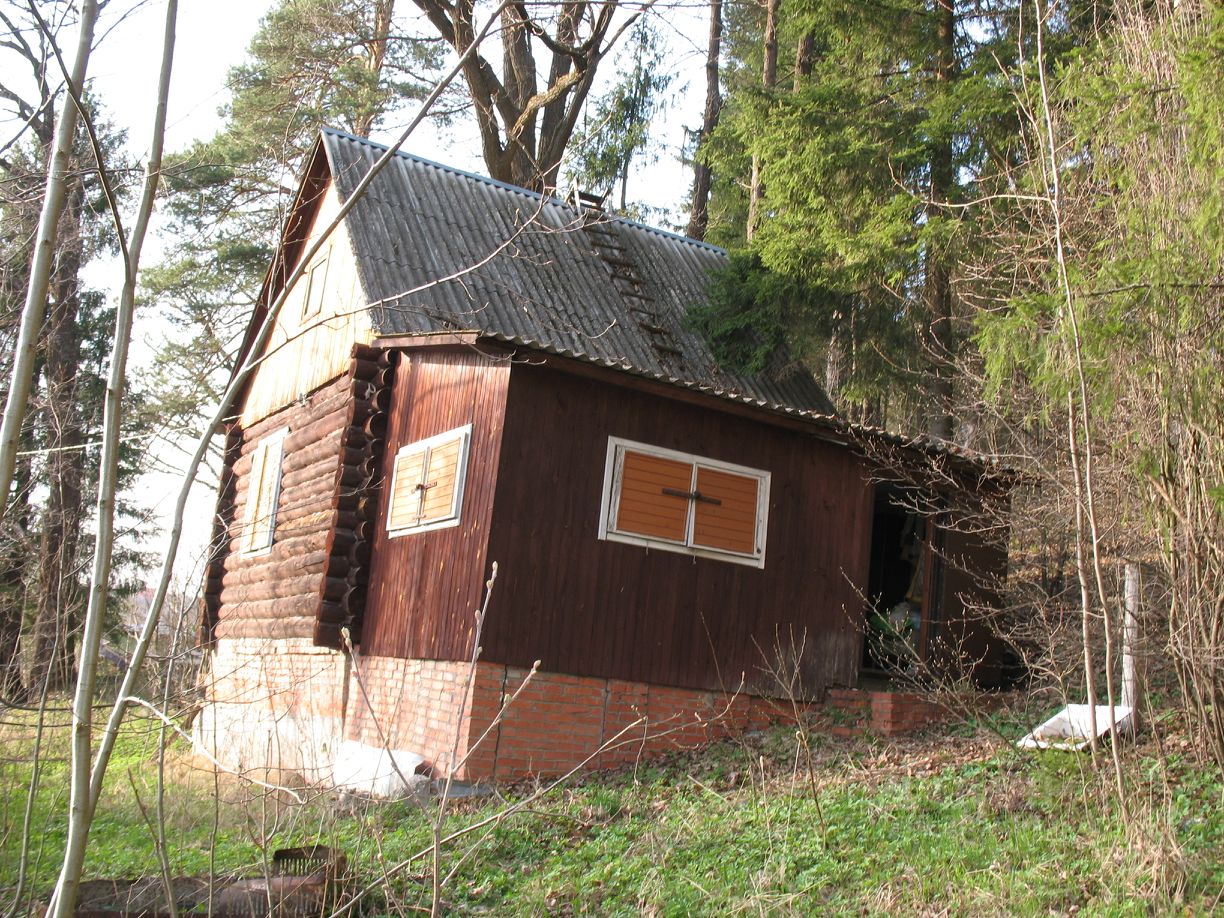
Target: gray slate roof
(440, 250)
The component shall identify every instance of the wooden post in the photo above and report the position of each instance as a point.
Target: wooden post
(1131, 682)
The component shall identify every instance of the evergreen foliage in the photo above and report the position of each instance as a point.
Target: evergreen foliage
(343, 63)
(872, 162)
(615, 138)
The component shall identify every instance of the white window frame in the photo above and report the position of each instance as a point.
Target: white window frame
(316, 284)
(464, 434)
(265, 446)
(617, 446)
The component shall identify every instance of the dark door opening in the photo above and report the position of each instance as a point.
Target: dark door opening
(898, 585)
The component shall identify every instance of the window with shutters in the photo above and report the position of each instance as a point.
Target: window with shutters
(680, 502)
(263, 494)
(427, 483)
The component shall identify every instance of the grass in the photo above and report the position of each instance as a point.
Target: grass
(954, 823)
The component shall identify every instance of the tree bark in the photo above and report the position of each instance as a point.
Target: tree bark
(938, 281)
(805, 58)
(524, 129)
(703, 176)
(34, 311)
(769, 78)
(56, 610)
(376, 53)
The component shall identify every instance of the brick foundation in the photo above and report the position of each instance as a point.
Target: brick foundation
(306, 708)
(273, 703)
(852, 711)
(555, 724)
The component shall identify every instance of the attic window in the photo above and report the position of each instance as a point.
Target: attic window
(427, 483)
(263, 494)
(661, 498)
(316, 281)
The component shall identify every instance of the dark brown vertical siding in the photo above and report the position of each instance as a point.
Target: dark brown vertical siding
(595, 608)
(971, 570)
(425, 586)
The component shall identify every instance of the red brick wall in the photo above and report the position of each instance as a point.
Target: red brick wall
(418, 705)
(555, 724)
(851, 711)
(286, 700)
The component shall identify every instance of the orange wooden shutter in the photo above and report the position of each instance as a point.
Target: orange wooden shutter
(644, 508)
(730, 524)
(405, 507)
(440, 481)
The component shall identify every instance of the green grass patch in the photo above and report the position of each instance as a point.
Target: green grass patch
(951, 824)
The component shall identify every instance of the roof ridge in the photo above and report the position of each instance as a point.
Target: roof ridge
(516, 189)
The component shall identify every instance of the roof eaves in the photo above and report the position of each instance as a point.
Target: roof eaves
(831, 423)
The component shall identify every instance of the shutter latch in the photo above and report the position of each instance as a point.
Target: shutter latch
(693, 495)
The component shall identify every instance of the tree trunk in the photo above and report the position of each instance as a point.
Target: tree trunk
(56, 599)
(699, 208)
(938, 281)
(805, 57)
(81, 806)
(59, 163)
(524, 130)
(15, 556)
(376, 53)
(769, 78)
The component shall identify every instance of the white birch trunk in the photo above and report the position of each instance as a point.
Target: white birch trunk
(34, 312)
(80, 806)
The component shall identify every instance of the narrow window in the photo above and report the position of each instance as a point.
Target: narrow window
(263, 494)
(427, 483)
(681, 502)
(316, 281)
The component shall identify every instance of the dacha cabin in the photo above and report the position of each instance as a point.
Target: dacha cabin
(468, 373)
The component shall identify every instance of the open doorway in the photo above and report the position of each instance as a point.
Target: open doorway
(899, 594)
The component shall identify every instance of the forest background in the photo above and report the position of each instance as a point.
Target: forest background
(993, 223)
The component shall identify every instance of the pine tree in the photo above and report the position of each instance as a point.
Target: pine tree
(617, 128)
(897, 116)
(344, 63)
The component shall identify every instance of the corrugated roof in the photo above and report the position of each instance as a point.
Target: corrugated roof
(440, 250)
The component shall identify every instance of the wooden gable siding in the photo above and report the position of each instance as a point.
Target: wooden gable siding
(424, 586)
(602, 608)
(306, 350)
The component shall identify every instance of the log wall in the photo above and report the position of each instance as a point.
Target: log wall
(343, 586)
(275, 593)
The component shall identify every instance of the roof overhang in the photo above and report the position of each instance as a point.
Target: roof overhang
(874, 444)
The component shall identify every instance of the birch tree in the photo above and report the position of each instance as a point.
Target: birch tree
(81, 806)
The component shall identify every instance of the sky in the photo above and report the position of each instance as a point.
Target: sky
(212, 37)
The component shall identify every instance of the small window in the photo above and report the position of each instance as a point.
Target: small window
(263, 494)
(680, 502)
(316, 281)
(427, 483)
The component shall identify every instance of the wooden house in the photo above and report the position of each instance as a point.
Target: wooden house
(471, 373)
